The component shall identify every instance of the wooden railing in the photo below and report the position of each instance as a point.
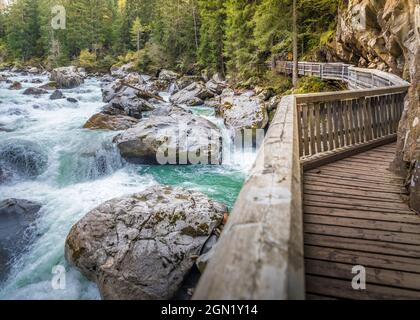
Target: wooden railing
(260, 252)
(335, 124)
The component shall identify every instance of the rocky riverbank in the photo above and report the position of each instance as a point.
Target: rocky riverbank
(128, 118)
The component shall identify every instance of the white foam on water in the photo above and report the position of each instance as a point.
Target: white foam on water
(71, 186)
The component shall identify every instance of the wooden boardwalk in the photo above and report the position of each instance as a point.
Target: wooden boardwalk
(355, 213)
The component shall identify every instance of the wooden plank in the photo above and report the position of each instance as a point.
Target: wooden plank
(354, 167)
(351, 121)
(343, 289)
(363, 180)
(330, 126)
(362, 223)
(305, 129)
(381, 119)
(398, 279)
(336, 190)
(335, 122)
(324, 127)
(369, 118)
(317, 120)
(355, 185)
(342, 173)
(362, 258)
(355, 194)
(365, 119)
(341, 123)
(358, 203)
(362, 245)
(326, 158)
(354, 177)
(311, 120)
(367, 215)
(392, 113)
(362, 122)
(367, 234)
(329, 204)
(346, 123)
(374, 117)
(356, 120)
(300, 132)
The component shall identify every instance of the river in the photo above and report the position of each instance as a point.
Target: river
(84, 170)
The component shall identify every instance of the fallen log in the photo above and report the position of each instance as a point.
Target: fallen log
(144, 94)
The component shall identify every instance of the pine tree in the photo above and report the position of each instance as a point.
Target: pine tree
(137, 30)
(239, 43)
(210, 52)
(22, 28)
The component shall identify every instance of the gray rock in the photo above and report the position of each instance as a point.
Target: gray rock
(140, 247)
(24, 158)
(33, 70)
(122, 71)
(72, 100)
(245, 111)
(185, 81)
(168, 75)
(101, 121)
(164, 111)
(216, 84)
(66, 77)
(56, 95)
(179, 135)
(35, 91)
(123, 100)
(15, 86)
(16, 219)
(193, 95)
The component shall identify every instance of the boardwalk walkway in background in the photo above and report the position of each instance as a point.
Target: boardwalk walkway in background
(355, 214)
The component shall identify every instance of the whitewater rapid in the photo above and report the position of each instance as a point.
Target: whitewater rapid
(84, 170)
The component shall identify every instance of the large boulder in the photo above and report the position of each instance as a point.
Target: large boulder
(193, 95)
(243, 111)
(66, 77)
(176, 138)
(101, 121)
(140, 247)
(122, 71)
(22, 158)
(216, 85)
(123, 100)
(16, 218)
(185, 81)
(168, 75)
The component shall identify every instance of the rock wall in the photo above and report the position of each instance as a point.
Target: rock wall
(385, 34)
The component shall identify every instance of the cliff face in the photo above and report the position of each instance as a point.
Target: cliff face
(385, 34)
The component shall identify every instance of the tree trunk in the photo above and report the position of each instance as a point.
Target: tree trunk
(295, 46)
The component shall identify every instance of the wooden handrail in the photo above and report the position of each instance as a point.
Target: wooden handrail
(336, 124)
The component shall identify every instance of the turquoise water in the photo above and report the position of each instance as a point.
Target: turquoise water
(84, 170)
